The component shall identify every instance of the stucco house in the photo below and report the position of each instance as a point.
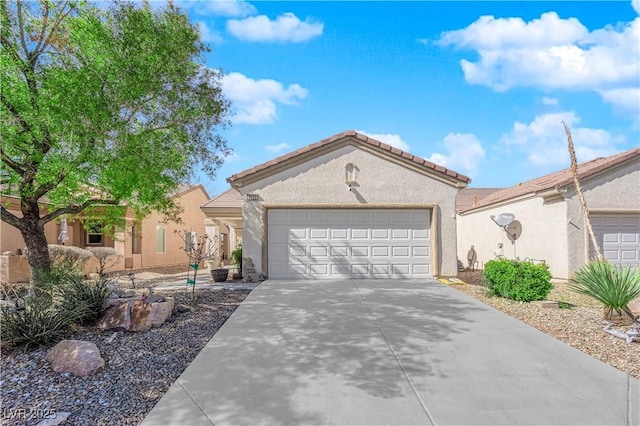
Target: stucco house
(149, 243)
(224, 221)
(549, 225)
(348, 206)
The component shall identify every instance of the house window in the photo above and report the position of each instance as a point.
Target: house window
(136, 240)
(94, 235)
(160, 240)
(191, 241)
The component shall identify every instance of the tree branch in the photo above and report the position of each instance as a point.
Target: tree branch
(10, 218)
(74, 209)
(12, 164)
(43, 189)
(16, 114)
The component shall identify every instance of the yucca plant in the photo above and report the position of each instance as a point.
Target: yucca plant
(40, 322)
(85, 298)
(612, 286)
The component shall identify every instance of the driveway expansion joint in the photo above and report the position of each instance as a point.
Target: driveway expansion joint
(195, 403)
(395, 355)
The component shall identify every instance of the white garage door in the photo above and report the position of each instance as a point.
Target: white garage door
(328, 243)
(619, 237)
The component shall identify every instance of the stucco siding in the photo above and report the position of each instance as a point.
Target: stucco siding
(543, 237)
(380, 182)
(617, 191)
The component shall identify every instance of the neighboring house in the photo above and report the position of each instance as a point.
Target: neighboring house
(224, 220)
(349, 206)
(549, 224)
(150, 243)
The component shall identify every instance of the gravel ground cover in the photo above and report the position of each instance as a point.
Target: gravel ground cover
(581, 326)
(139, 367)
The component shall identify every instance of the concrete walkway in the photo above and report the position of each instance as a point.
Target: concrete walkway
(389, 352)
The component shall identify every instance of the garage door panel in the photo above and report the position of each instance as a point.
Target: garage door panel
(318, 251)
(333, 243)
(400, 268)
(400, 234)
(421, 269)
(380, 234)
(319, 234)
(619, 236)
(360, 251)
(359, 234)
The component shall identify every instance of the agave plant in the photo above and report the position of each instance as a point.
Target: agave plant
(612, 286)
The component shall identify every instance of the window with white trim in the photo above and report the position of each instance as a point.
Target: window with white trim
(94, 235)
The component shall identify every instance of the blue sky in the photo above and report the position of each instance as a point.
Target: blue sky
(478, 87)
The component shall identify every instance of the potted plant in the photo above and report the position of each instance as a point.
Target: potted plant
(236, 259)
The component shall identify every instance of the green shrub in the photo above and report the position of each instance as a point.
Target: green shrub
(236, 257)
(87, 296)
(41, 322)
(612, 286)
(521, 281)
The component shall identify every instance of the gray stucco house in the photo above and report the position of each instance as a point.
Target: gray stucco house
(549, 225)
(348, 206)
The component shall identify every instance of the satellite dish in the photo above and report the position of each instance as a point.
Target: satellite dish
(514, 230)
(504, 219)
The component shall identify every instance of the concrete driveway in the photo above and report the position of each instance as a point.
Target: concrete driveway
(389, 352)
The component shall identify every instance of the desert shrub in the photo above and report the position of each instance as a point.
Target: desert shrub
(107, 257)
(40, 322)
(69, 257)
(236, 257)
(87, 297)
(612, 286)
(521, 281)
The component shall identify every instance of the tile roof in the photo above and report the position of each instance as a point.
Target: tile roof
(467, 198)
(360, 137)
(229, 198)
(558, 179)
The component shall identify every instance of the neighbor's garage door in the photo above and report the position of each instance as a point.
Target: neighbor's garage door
(619, 237)
(336, 243)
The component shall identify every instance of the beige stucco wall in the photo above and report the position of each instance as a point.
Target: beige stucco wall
(617, 191)
(321, 180)
(543, 237)
(193, 220)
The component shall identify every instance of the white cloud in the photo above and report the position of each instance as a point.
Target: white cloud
(626, 99)
(549, 101)
(550, 53)
(388, 138)
(286, 27)
(207, 34)
(232, 157)
(463, 153)
(636, 6)
(229, 8)
(277, 148)
(544, 141)
(255, 101)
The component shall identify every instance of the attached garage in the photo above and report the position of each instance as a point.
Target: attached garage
(349, 243)
(619, 237)
(348, 206)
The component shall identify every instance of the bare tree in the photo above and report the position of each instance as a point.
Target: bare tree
(583, 202)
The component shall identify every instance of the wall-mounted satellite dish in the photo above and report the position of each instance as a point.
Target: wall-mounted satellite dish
(513, 230)
(503, 219)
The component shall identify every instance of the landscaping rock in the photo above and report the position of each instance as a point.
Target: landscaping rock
(635, 307)
(76, 357)
(116, 317)
(136, 314)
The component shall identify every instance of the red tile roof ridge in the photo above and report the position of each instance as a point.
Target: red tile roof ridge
(359, 136)
(556, 180)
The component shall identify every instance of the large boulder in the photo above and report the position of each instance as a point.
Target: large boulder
(76, 357)
(136, 314)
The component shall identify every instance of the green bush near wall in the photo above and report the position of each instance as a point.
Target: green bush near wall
(521, 281)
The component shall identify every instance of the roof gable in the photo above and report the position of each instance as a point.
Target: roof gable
(339, 140)
(557, 180)
(229, 198)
